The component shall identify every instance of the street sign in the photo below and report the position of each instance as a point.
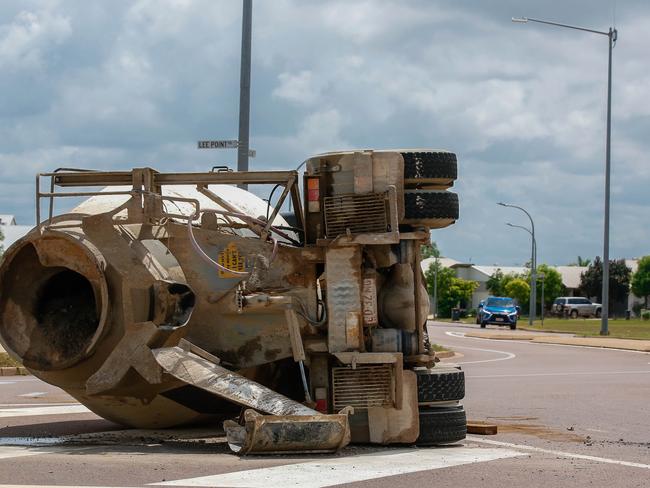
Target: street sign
(233, 144)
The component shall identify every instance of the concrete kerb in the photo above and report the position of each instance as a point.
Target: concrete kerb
(602, 342)
(14, 371)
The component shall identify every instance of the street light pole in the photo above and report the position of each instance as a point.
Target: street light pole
(435, 290)
(245, 87)
(533, 265)
(542, 277)
(533, 259)
(612, 34)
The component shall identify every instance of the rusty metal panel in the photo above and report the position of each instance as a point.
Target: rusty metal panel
(272, 434)
(362, 387)
(343, 274)
(362, 171)
(194, 370)
(369, 298)
(356, 214)
(399, 424)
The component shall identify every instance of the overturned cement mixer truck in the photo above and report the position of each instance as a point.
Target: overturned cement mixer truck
(173, 298)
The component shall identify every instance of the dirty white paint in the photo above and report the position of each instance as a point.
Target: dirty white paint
(329, 472)
(33, 411)
(562, 373)
(33, 394)
(9, 452)
(29, 442)
(506, 355)
(559, 453)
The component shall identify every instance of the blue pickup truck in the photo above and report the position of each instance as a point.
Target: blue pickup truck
(499, 311)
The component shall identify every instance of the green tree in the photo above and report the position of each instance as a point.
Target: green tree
(518, 289)
(498, 282)
(641, 280)
(430, 250)
(2, 238)
(452, 291)
(591, 281)
(553, 286)
(582, 262)
(494, 284)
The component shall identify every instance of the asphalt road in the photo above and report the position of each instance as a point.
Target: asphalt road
(567, 416)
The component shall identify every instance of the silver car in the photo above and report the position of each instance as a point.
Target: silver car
(576, 307)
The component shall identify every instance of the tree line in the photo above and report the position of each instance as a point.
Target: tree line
(453, 291)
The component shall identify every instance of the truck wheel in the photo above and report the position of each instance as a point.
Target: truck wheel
(439, 168)
(483, 325)
(513, 326)
(574, 314)
(431, 208)
(440, 385)
(442, 425)
(599, 312)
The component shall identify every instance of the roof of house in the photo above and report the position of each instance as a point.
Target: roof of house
(444, 262)
(7, 219)
(570, 275)
(490, 270)
(10, 231)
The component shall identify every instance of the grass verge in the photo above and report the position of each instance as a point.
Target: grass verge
(618, 328)
(6, 360)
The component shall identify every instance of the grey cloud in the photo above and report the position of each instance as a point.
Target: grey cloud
(124, 83)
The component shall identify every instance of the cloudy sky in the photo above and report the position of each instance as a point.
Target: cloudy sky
(127, 83)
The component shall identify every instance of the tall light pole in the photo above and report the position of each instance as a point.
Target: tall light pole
(435, 289)
(533, 264)
(612, 35)
(245, 87)
(533, 259)
(542, 277)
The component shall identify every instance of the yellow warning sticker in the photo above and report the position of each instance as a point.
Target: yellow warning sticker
(231, 259)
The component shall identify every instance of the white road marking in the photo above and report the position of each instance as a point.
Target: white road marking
(31, 411)
(7, 382)
(558, 453)
(567, 373)
(530, 343)
(59, 486)
(54, 404)
(30, 441)
(329, 472)
(9, 452)
(22, 379)
(34, 394)
(506, 355)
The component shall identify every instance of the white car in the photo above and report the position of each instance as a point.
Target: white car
(576, 307)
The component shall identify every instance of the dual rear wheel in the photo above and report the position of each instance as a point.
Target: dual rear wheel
(427, 175)
(442, 418)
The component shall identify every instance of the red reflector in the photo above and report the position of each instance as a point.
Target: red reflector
(313, 189)
(321, 406)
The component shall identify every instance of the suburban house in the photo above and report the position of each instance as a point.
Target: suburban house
(481, 274)
(11, 231)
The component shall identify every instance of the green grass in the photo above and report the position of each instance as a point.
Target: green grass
(619, 328)
(439, 348)
(5, 360)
